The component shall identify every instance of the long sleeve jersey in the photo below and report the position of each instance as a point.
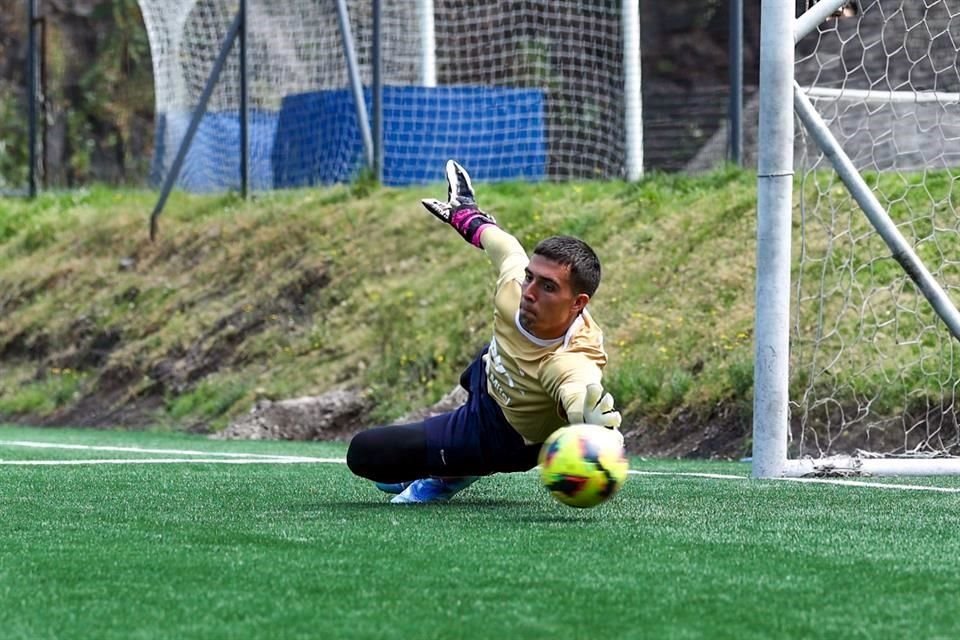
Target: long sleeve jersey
(536, 382)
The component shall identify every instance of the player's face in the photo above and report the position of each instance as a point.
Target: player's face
(548, 303)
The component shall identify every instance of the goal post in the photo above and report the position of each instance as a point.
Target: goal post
(857, 336)
(774, 213)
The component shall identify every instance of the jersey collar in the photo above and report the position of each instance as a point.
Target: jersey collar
(540, 342)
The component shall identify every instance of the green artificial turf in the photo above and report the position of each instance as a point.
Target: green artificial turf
(266, 550)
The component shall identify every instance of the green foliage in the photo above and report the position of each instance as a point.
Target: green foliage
(639, 382)
(14, 147)
(58, 388)
(649, 390)
(740, 374)
(364, 183)
(99, 92)
(657, 188)
(209, 400)
(37, 236)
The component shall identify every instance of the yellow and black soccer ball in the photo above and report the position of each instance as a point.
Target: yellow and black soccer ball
(582, 465)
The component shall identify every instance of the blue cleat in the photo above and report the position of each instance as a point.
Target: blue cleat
(433, 490)
(393, 487)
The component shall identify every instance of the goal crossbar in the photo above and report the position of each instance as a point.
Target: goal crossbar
(873, 95)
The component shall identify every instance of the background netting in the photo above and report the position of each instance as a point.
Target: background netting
(873, 367)
(522, 90)
(14, 99)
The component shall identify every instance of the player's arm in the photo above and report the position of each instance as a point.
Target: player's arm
(460, 210)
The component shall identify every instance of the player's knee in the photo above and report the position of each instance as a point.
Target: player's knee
(358, 454)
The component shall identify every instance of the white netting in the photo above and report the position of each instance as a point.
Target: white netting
(873, 367)
(523, 89)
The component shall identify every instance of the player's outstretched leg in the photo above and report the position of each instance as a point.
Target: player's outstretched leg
(433, 490)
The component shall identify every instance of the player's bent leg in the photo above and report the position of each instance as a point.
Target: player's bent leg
(389, 455)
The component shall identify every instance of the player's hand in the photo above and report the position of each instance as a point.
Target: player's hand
(597, 409)
(460, 210)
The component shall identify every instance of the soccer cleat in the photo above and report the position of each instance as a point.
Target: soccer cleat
(393, 487)
(433, 490)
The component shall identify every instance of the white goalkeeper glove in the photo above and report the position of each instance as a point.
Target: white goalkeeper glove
(597, 409)
(460, 210)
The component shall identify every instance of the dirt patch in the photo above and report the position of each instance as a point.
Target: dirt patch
(25, 346)
(88, 348)
(109, 404)
(217, 347)
(926, 427)
(336, 415)
(722, 432)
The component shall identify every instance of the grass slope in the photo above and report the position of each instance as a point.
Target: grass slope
(299, 292)
(304, 551)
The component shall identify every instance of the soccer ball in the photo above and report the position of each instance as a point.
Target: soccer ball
(583, 465)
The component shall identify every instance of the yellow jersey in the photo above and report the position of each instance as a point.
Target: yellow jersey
(534, 381)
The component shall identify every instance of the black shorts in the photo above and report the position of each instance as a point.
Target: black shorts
(476, 438)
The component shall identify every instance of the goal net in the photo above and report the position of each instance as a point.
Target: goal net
(874, 369)
(515, 90)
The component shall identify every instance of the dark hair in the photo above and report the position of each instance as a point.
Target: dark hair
(576, 254)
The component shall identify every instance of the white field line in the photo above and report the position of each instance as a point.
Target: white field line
(60, 463)
(689, 474)
(836, 481)
(874, 485)
(176, 452)
(209, 457)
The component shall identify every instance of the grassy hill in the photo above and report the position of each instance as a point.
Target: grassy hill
(295, 293)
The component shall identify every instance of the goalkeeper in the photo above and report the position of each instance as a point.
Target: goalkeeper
(541, 370)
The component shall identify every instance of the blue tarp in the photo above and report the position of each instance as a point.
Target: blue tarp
(213, 160)
(497, 133)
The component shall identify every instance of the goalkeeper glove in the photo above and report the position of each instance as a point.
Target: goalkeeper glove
(597, 409)
(460, 210)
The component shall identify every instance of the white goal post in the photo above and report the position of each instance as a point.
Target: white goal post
(857, 337)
